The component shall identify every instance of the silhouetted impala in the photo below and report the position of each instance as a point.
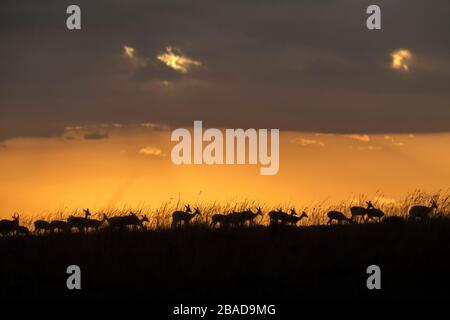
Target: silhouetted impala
(250, 216)
(338, 216)
(223, 219)
(79, 222)
(9, 226)
(293, 219)
(22, 230)
(374, 214)
(234, 218)
(184, 217)
(422, 212)
(59, 225)
(279, 216)
(241, 217)
(41, 226)
(274, 215)
(95, 224)
(122, 222)
(360, 211)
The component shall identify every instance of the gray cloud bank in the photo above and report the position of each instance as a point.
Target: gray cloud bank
(293, 65)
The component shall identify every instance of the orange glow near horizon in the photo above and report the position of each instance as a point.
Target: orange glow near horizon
(133, 168)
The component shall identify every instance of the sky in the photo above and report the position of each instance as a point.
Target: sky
(86, 115)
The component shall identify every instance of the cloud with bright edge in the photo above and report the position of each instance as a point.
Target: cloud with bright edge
(359, 137)
(401, 59)
(307, 142)
(129, 52)
(393, 141)
(177, 61)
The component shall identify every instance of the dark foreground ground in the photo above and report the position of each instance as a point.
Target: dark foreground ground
(257, 263)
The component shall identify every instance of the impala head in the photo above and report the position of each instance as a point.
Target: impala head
(196, 210)
(369, 204)
(259, 211)
(15, 217)
(134, 215)
(187, 208)
(293, 212)
(144, 218)
(87, 213)
(304, 215)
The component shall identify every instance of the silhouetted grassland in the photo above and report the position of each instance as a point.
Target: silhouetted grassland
(160, 216)
(257, 262)
(261, 262)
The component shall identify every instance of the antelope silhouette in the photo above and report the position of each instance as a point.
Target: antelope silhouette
(276, 216)
(41, 226)
(293, 219)
(360, 212)
(250, 216)
(279, 216)
(59, 225)
(422, 212)
(79, 222)
(235, 219)
(185, 217)
(95, 224)
(9, 226)
(222, 219)
(241, 217)
(374, 214)
(22, 230)
(122, 222)
(338, 216)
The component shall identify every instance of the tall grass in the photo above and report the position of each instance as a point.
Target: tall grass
(160, 216)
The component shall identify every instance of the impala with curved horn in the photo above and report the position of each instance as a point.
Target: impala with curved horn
(422, 212)
(9, 226)
(79, 222)
(240, 218)
(292, 219)
(185, 217)
(360, 212)
(338, 216)
(122, 222)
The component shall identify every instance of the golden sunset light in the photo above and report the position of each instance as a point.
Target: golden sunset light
(176, 61)
(401, 59)
(84, 172)
(129, 51)
(231, 159)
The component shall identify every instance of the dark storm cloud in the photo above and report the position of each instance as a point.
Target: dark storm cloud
(297, 65)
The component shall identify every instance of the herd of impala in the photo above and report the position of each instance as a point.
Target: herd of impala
(183, 218)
